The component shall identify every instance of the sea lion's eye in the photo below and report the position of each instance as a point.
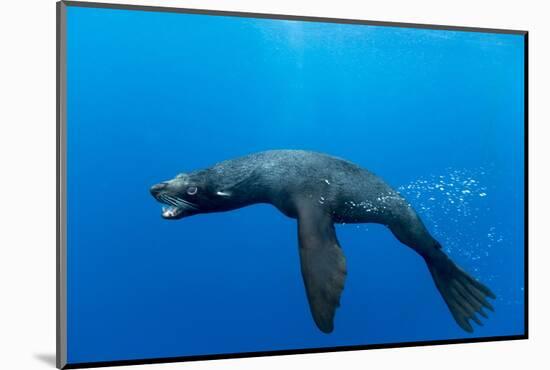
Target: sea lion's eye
(192, 190)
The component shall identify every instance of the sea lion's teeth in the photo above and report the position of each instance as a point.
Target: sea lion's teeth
(167, 212)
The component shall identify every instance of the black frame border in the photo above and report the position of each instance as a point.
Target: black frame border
(61, 278)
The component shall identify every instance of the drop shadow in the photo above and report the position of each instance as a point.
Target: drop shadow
(46, 358)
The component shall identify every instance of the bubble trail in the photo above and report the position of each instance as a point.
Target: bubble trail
(455, 207)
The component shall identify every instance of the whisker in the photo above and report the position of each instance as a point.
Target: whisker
(186, 203)
(190, 204)
(172, 200)
(178, 202)
(174, 203)
(168, 200)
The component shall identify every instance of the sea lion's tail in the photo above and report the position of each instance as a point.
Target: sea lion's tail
(464, 295)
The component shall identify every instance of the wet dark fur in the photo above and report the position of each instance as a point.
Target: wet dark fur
(320, 190)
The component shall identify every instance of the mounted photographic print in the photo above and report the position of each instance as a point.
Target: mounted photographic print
(236, 184)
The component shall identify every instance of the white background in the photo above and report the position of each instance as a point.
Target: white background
(27, 182)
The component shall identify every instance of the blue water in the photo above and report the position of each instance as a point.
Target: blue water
(437, 114)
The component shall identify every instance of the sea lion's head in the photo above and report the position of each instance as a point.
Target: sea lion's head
(189, 194)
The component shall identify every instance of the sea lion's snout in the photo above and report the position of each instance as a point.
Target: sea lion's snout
(157, 188)
(169, 193)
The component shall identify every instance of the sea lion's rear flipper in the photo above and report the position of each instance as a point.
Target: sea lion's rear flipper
(323, 265)
(464, 295)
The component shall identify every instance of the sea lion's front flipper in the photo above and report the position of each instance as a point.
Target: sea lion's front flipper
(323, 264)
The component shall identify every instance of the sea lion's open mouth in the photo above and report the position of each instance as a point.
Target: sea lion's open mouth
(175, 207)
(171, 212)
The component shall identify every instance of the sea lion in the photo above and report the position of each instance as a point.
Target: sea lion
(319, 190)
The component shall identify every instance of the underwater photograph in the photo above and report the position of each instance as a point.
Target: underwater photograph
(241, 185)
